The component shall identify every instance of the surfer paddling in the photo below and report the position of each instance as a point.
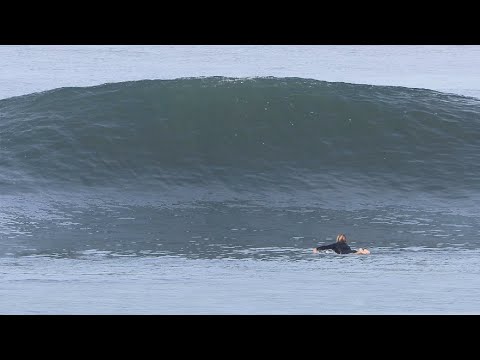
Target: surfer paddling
(341, 247)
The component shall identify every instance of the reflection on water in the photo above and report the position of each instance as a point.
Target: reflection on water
(70, 227)
(291, 281)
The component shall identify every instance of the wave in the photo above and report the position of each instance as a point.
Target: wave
(242, 133)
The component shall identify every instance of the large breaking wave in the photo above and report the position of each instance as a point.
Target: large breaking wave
(256, 133)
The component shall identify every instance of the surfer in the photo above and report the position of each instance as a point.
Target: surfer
(341, 247)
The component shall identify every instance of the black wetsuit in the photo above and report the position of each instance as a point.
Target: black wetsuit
(339, 247)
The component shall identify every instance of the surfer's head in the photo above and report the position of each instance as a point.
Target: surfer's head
(341, 238)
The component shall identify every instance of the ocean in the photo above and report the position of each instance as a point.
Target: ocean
(198, 179)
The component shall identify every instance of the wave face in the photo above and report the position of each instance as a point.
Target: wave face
(242, 134)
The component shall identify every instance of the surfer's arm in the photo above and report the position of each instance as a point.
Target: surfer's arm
(325, 247)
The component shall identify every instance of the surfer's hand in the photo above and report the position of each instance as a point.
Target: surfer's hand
(315, 250)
